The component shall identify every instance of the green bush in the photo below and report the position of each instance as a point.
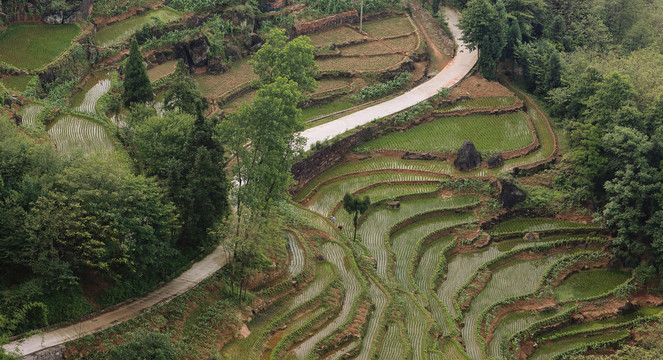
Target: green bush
(144, 345)
(384, 88)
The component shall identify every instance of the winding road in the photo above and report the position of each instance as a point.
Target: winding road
(453, 73)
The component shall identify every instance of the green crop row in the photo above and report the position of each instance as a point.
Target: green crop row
(563, 334)
(292, 337)
(622, 337)
(514, 341)
(488, 103)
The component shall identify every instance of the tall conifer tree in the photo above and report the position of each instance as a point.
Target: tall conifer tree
(137, 86)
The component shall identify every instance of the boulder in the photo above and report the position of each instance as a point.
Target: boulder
(532, 236)
(53, 18)
(216, 66)
(199, 49)
(468, 157)
(511, 194)
(256, 42)
(495, 161)
(233, 52)
(615, 263)
(627, 308)
(418, 156)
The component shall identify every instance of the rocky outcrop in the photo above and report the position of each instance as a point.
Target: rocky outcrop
(510, 195)
(194, 52)
(468, 157)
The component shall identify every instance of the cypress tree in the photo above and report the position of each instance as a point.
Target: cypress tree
(137, 86)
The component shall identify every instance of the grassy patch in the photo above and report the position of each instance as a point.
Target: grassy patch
(359, 64)
(214, 86)
(123, 30)
(590, 283)
(160, 71)
(30, 46)
(488, 133)
(337, 35)
(389, 27)
(17, 83)
(326, 108)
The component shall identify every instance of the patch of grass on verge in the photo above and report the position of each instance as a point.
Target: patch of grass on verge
(30, 46)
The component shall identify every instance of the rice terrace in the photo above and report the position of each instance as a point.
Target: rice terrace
(331, 179)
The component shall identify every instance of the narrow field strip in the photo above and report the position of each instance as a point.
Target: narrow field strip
(342, 351)
(92, 96)
(334, 36)
(29, 115)
(391, 347)
(423, 279)
(379, 299)
(74, 134)
(521, 225)
(590, 283)
(493, 102)
(215, 86)
(297, 260)
(417, 325)
(261, 325)
(393, 26)
(335, 254)
(375, 63)
(489, 133)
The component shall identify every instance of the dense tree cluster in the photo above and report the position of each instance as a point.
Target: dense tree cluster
(270, 125)
(69, 222)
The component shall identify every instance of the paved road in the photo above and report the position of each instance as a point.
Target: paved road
(455, 71)
(178, 286)
(452, 74)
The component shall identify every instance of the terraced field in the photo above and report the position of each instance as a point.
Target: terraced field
(86, 99)
(488, 133)
(29, 115)
(73, 134)
(431, 282)
(123, 30)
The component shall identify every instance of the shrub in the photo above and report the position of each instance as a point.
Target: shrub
(382, 89)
